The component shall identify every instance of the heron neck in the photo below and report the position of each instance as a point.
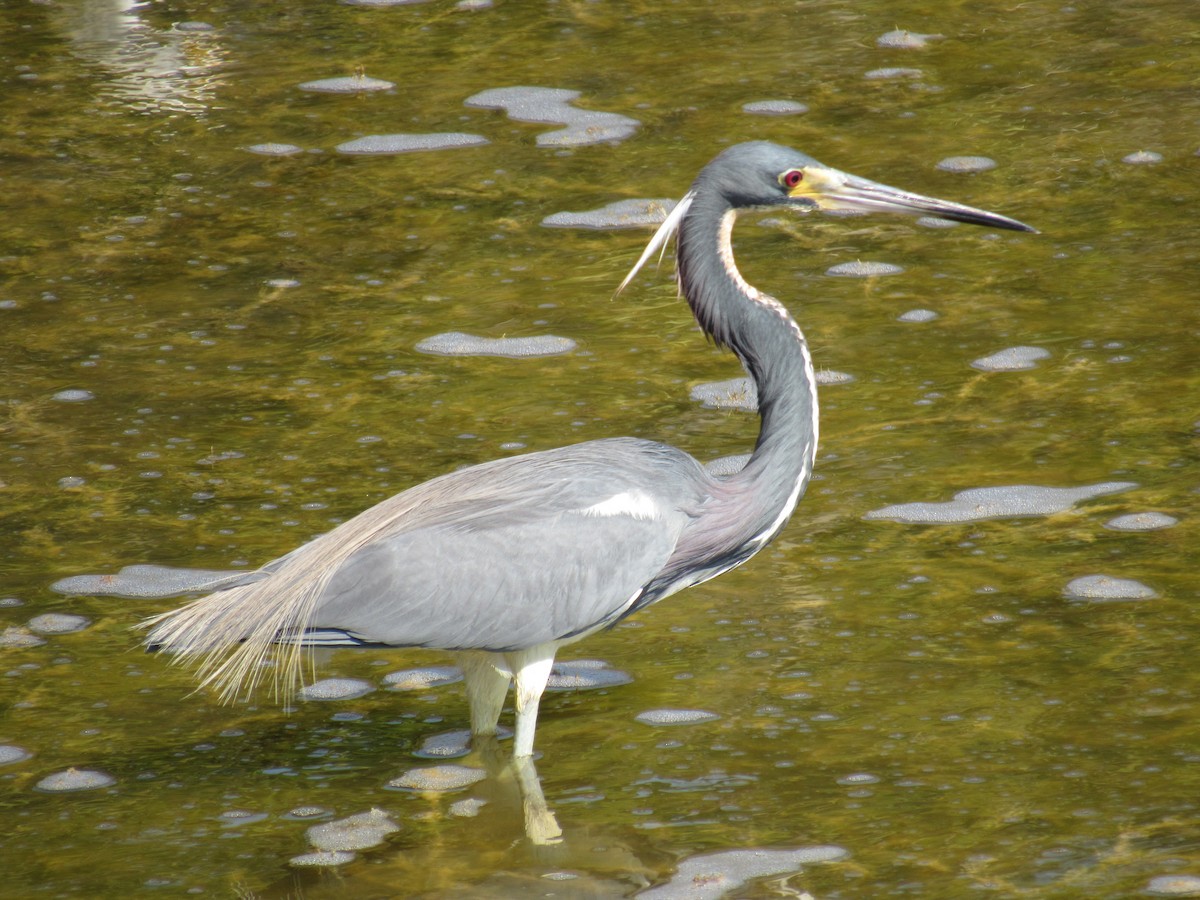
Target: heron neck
(770, 345)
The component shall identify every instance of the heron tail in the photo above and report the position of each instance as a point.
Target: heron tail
(229, 636)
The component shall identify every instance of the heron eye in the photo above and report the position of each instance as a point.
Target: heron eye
(791, 178)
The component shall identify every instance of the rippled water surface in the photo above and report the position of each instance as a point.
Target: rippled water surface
(208, 358)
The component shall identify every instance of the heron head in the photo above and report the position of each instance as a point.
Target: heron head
(763, 174)
(760, 174)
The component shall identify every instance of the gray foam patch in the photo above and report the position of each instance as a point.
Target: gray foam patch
(388, 144)
(775, 108)
(861, 269)
(615, 216)
(270, 149)
(734, 393)
(1106, 589)
(892, 73)
(447, 745)
(553, 106)
(742, 393)
(145, 581)
(1174, 886)
(1011, 359)
(585, 675)
(423, 678)
(17, 638)
(905, 40)
(466, 809)
(336, 689)
(438, 779)
(727, 465)
(11, 753)
(966, 164)
(662, 717)
(352, 84)
(358, 832)
(456, 343)
(1143, 521)
(714, 875)
(1010, 501)
(75, 780)
(322, 858)
(58, 623)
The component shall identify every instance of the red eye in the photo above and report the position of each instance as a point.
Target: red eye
(792, 177)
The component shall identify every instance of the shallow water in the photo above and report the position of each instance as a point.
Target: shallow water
(209, 357)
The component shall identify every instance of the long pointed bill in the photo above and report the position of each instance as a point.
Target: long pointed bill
(830, 189)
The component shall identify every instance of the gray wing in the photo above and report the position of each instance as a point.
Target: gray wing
(500, 587)
(547, 547)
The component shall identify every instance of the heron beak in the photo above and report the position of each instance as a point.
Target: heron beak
(830, 189)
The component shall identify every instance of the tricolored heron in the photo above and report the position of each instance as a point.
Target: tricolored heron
(508, 561)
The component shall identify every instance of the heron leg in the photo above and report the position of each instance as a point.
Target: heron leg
(487, 676)
(531, 669)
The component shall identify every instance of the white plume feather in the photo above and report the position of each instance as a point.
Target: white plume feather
(665, 232)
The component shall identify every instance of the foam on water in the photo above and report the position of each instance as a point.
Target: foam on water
(614, 216)
(1010, 501)
(438, 779)
(336, 689)
(456, 343)
(713, 875)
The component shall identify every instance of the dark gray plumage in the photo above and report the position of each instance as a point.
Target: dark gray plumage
(507, 561)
